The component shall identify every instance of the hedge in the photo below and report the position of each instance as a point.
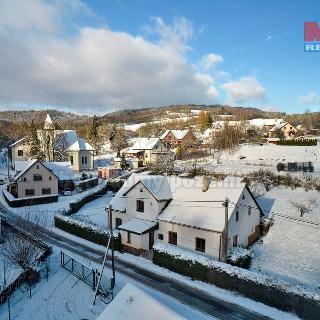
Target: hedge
(88, 184)
(298, 142)
(85, 231)
(305, 303)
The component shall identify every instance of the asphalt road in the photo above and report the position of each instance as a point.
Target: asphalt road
(187, 295)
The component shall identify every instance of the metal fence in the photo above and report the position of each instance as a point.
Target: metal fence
(85, 274)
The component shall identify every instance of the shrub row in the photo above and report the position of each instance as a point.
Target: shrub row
(85, 231)
(88, 184)
(270, 179)
(298, 142)
(305, 303)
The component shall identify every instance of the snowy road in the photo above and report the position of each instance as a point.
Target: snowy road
(189, 296)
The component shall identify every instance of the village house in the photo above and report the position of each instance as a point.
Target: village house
(185, 212)
(283, 131)
(144, 151)
(19, 151)
(57, 145)
(34, 181)
(174, 138)
(106, 173)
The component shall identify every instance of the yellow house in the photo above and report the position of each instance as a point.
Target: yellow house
(283, 130)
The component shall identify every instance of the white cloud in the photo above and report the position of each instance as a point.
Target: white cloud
(311, 98)
(96, 69)
(210, 60)
(246, 89)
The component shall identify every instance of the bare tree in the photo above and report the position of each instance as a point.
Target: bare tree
(304, 207)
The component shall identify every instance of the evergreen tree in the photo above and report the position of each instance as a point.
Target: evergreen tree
(208, 120)
(35, 148)
(123, 162)
(94, 134)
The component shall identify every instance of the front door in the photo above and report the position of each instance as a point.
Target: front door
(151, 239)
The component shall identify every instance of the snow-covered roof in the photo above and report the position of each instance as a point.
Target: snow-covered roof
(157, 185)
(193, 207)
(144, 143)
(69, 139)
(260, 122)
(61, 169)
(135, 304)
(138, 226)
(19, 165)
(80, 145)
(17, 142)
(28, 165)
(178, 134)
(279, 126)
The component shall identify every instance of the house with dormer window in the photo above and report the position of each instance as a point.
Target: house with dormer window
(185, 212)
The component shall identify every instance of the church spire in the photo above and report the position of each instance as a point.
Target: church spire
(48, 124)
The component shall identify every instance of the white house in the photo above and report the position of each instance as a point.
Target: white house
(132, 303)
(184, 212)
(57, 145)
(145, 151)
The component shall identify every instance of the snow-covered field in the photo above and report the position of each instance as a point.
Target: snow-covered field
(290, 250)
(248, 158)
(94, 211)
(65, 297)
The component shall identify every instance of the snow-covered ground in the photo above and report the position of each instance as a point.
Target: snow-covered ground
(8, 271)
(248, 158)
(65, 297)
(290, 250)
(94, 211)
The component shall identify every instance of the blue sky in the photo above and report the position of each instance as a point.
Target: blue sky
(99, 56)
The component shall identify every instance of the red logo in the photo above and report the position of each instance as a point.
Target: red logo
(311, 31)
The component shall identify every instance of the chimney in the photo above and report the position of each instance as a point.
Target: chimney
(205, 183)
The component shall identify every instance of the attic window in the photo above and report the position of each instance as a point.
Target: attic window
(249, 211)
(37, 167)
(141, 190)
(237, 215)
(243, 197)
(24, 179)
(50, 178)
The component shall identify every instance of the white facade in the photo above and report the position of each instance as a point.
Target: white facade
(185, 215)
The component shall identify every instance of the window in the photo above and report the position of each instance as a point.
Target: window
(118, 222)
(71, 160)
(173, 238)
(160, 236)
(141, 190)
(140, 206)
(200, 244)
(46, 191)
(235, 240)
(237, 215)
(29, 192)
(24, 179)
(37, 167)
(37, 177)
(128, 237)
(20, 153)
(243, 197)
(84, 160)
(50, 177)
(249, 211)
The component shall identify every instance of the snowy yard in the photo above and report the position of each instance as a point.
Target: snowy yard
(94, 211)
(8, 271)
(65, 297)
(248, 158)
(290, 250)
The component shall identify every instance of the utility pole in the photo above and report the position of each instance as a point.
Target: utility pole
(225, 233)
(8, 165)
(113, 280)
